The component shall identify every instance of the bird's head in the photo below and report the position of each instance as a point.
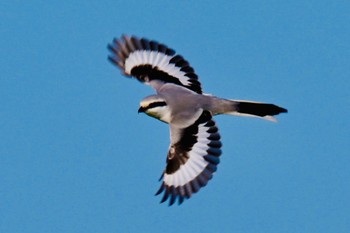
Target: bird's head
(156, 107)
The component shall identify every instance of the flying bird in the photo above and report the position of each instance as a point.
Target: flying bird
(195, 146)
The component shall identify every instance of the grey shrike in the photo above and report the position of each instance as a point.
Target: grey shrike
(194, 149)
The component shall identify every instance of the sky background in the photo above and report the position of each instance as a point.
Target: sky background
(76, 157)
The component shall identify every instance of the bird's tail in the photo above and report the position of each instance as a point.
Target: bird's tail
(255, 109)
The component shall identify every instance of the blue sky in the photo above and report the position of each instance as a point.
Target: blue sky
(76, 157)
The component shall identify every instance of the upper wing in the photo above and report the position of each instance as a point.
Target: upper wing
(149, 60)
(192, 159)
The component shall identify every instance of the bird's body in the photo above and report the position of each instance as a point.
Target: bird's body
(195, 145)
(181, 112)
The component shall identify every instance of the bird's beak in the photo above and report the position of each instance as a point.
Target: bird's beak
(141, 109)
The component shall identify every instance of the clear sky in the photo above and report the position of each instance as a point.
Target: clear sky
(76, 157)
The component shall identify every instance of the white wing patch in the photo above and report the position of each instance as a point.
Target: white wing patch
(149, 60)
(192, 160)
(156, 60)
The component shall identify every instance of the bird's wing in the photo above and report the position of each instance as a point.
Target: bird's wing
(149, 60)
(192, 159)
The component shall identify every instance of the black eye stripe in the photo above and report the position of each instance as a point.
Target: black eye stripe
(156, 104)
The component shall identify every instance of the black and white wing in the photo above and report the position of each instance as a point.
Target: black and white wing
(192, 159)
(149, 60)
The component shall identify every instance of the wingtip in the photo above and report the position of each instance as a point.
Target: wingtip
(180, 200)
(160, 190)
(172, 199)
(125, 36)
(165, 196)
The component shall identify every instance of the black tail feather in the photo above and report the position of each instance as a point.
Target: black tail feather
(259, 109)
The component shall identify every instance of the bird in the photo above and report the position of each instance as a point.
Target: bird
(195, 142)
